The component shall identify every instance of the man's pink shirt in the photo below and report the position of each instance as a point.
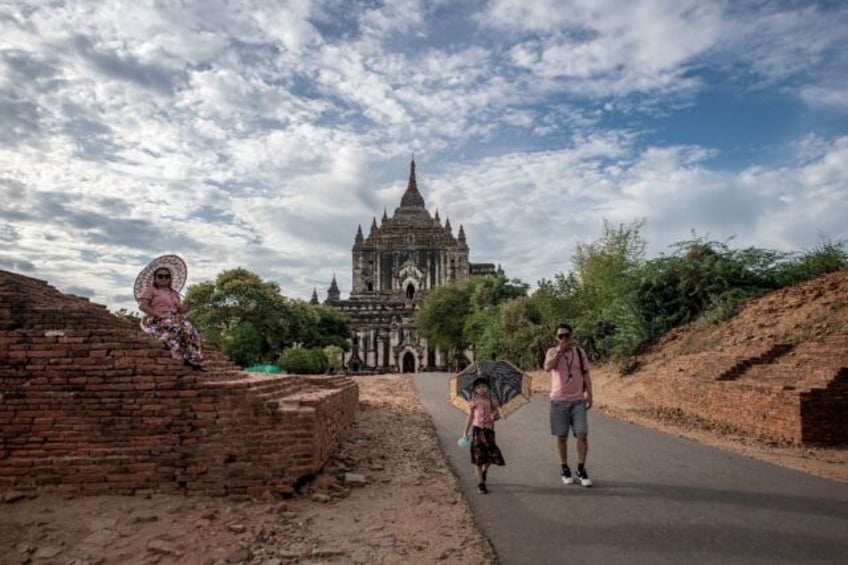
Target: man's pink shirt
(563, 388)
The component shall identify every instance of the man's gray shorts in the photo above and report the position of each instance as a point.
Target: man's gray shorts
(569, 414)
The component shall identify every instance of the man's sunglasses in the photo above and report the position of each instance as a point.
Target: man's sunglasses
(563, 336)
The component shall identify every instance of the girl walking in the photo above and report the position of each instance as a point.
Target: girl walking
(484, 410)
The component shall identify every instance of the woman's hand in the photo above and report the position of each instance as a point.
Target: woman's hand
(186, 305)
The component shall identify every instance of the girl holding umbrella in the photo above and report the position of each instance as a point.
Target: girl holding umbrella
(157, 293)
(483, 411)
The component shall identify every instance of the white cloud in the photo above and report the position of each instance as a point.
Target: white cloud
(261, 134)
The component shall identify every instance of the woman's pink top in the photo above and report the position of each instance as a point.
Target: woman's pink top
(484, 409)
(164, 301)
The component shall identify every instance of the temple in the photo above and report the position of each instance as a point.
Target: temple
(394, 268)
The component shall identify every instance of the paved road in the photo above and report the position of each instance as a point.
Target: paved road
(657, 498)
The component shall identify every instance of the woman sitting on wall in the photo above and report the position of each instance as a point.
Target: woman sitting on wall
(157, 291)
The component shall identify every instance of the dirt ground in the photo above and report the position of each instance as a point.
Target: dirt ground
(402, 503)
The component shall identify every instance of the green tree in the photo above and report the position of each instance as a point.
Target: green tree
(521, 327)
(482, 328)
(600, 287)
(491, 290)
(237, 301)
(251, 321)
(441, 319)
(328, 327)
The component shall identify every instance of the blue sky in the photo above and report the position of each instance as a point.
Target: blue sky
(260, 134)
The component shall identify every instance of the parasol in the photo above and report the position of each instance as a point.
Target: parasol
(508, 385)
(175, 265)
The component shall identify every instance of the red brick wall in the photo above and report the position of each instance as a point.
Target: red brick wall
(89, 403)
(794, 394)
(762, 411)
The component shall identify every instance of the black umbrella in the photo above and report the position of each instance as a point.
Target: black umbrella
(508, 385)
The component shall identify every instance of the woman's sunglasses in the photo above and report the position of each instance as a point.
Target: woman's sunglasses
(163, 276)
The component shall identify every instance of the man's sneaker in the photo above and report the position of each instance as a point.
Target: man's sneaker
(566, 476)
(583, 477)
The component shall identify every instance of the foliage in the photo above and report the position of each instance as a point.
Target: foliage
(601, 289)
(304, 361)
(335, 358)
(326, 326)
(827, 257)
(619, 303)
(243, 345)
(492, 290)
(441, 319)
(251, 321)
(521, 328)
(484, 333)
(466, 314)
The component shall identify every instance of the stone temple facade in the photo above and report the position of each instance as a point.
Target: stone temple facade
(394, 268)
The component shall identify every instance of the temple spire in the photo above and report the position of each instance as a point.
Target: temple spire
(333, 293)
(314, 299)
(412, 198)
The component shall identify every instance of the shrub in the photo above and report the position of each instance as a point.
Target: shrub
(304, 361)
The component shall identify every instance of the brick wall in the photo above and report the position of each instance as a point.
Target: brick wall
(793, 393)
(90, 404)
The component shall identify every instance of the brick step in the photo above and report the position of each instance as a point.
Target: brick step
(273, 391)
(796, 377)
(744, 365)
(266, 389)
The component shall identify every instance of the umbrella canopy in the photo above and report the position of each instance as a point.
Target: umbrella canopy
(175, 265)
(509, 386)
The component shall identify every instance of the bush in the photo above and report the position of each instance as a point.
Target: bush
(335, 358)
(304, 361)
(243, 345)
(827, 257)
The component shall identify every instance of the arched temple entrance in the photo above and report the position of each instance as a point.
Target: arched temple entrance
(408, 364)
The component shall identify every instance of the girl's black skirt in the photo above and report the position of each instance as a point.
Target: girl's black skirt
(484, 450)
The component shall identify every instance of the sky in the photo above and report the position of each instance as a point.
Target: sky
(261, 134)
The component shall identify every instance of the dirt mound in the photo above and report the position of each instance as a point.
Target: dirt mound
(815, 311)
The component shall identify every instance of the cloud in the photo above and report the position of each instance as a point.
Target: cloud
(127, 67)
(261, 135)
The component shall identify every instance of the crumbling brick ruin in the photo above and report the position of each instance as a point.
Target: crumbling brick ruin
(90, 404)
(778, 370)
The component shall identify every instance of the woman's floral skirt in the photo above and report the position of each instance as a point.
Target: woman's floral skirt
(178, 335)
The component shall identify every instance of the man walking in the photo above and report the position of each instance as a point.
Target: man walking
(571, 397)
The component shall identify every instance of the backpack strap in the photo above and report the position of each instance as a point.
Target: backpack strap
(580, 354)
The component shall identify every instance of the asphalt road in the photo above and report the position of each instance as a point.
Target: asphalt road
(657, 498)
